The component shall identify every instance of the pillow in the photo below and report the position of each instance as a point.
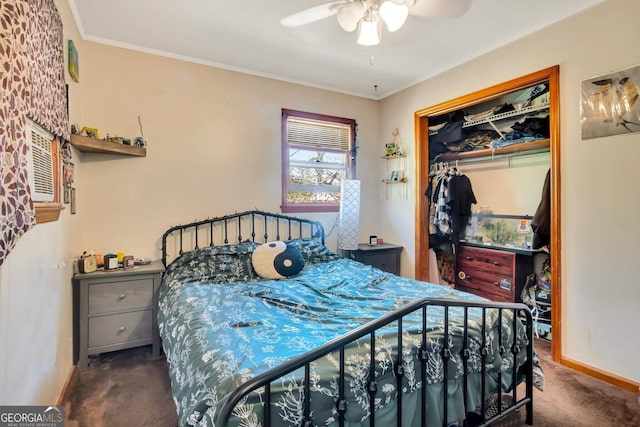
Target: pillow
(277, 260)
(313, 251)
(214, 264)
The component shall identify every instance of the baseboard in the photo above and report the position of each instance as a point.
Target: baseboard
(608, 377)
(63, 392)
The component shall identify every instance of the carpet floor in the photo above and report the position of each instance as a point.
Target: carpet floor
(130, 388)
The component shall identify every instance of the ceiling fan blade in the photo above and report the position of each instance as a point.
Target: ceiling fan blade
(443, 8)
(312, 14)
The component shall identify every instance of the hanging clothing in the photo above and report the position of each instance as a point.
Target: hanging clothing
(451, 196)
(541, 222)
(460, 199)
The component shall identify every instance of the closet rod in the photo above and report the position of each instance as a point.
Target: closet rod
(490, 158)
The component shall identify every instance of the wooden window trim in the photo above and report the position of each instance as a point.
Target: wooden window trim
(287, 207)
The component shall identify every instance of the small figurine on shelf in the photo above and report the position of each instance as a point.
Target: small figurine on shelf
(390, 149)
(394, 148)
(397, 142)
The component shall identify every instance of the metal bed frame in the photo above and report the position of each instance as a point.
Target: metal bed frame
(291, 227)
(281, 227)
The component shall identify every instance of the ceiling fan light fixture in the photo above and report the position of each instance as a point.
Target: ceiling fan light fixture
(393, 14)
(370, 29)
(350, 14)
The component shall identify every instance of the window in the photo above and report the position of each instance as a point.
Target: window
(318, 152)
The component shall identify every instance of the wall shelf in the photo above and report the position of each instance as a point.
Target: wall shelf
(91, 145)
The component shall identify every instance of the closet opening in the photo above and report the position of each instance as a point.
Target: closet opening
(499, 149)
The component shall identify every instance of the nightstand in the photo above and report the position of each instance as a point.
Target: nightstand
(114, 310)
(384, 256)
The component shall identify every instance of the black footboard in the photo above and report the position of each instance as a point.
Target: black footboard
(494, 404)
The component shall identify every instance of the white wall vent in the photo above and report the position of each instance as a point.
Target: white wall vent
(40, 163)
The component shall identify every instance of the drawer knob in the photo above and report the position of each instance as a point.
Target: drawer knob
(122, 329)
(122, 296)
(496, 263)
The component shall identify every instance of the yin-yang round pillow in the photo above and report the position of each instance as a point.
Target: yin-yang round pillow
(277, 260)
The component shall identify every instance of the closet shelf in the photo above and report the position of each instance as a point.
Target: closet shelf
(506, 115)
(91, 145)
(501, 116)
(522, 148)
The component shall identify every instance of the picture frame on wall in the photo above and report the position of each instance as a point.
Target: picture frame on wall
(72, 196)
(74, 69)
(66, 195)
(68, 174)
(90, 132)
(610, 104)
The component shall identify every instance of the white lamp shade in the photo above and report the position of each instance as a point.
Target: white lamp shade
(350, 14)
(394, 15)
(349, 214)
(370, 29)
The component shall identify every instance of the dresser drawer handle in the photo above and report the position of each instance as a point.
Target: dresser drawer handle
(496, 263)
(122, 329)
(122, 296)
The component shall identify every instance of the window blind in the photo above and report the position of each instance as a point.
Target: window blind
(310, 133)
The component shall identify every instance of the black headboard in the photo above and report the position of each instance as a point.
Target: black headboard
(255, 226)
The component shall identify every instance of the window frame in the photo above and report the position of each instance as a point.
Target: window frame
(288, 207)
(50, 211)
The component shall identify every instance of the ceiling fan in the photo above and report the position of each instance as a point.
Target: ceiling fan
(368, 15)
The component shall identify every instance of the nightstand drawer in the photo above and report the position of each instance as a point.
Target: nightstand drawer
(384, 256)
(385, 262)
(120, 328)
(118, 296)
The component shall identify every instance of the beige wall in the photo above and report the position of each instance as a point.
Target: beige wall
(213, 145)
(600, 195)
(35, 294)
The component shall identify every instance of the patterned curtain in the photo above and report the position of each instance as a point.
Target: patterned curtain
(31, 85)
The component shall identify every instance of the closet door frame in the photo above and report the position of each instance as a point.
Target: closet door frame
(421, 120)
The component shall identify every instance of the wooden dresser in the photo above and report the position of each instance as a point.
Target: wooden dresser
(498, 275)
(114, 310)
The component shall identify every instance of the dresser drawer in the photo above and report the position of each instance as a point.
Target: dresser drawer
(496, 290)
(487, 295)
(120, 328)
(487, 259)
(486, 272)
(118, 296)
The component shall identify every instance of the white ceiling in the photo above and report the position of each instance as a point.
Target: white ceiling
(246, 36)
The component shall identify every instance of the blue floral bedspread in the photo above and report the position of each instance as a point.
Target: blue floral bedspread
(221, 325)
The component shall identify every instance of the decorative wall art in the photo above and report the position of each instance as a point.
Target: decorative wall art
(67, 180)
(610, 104)
(72, 196)
(33, 85)
(74, 69)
